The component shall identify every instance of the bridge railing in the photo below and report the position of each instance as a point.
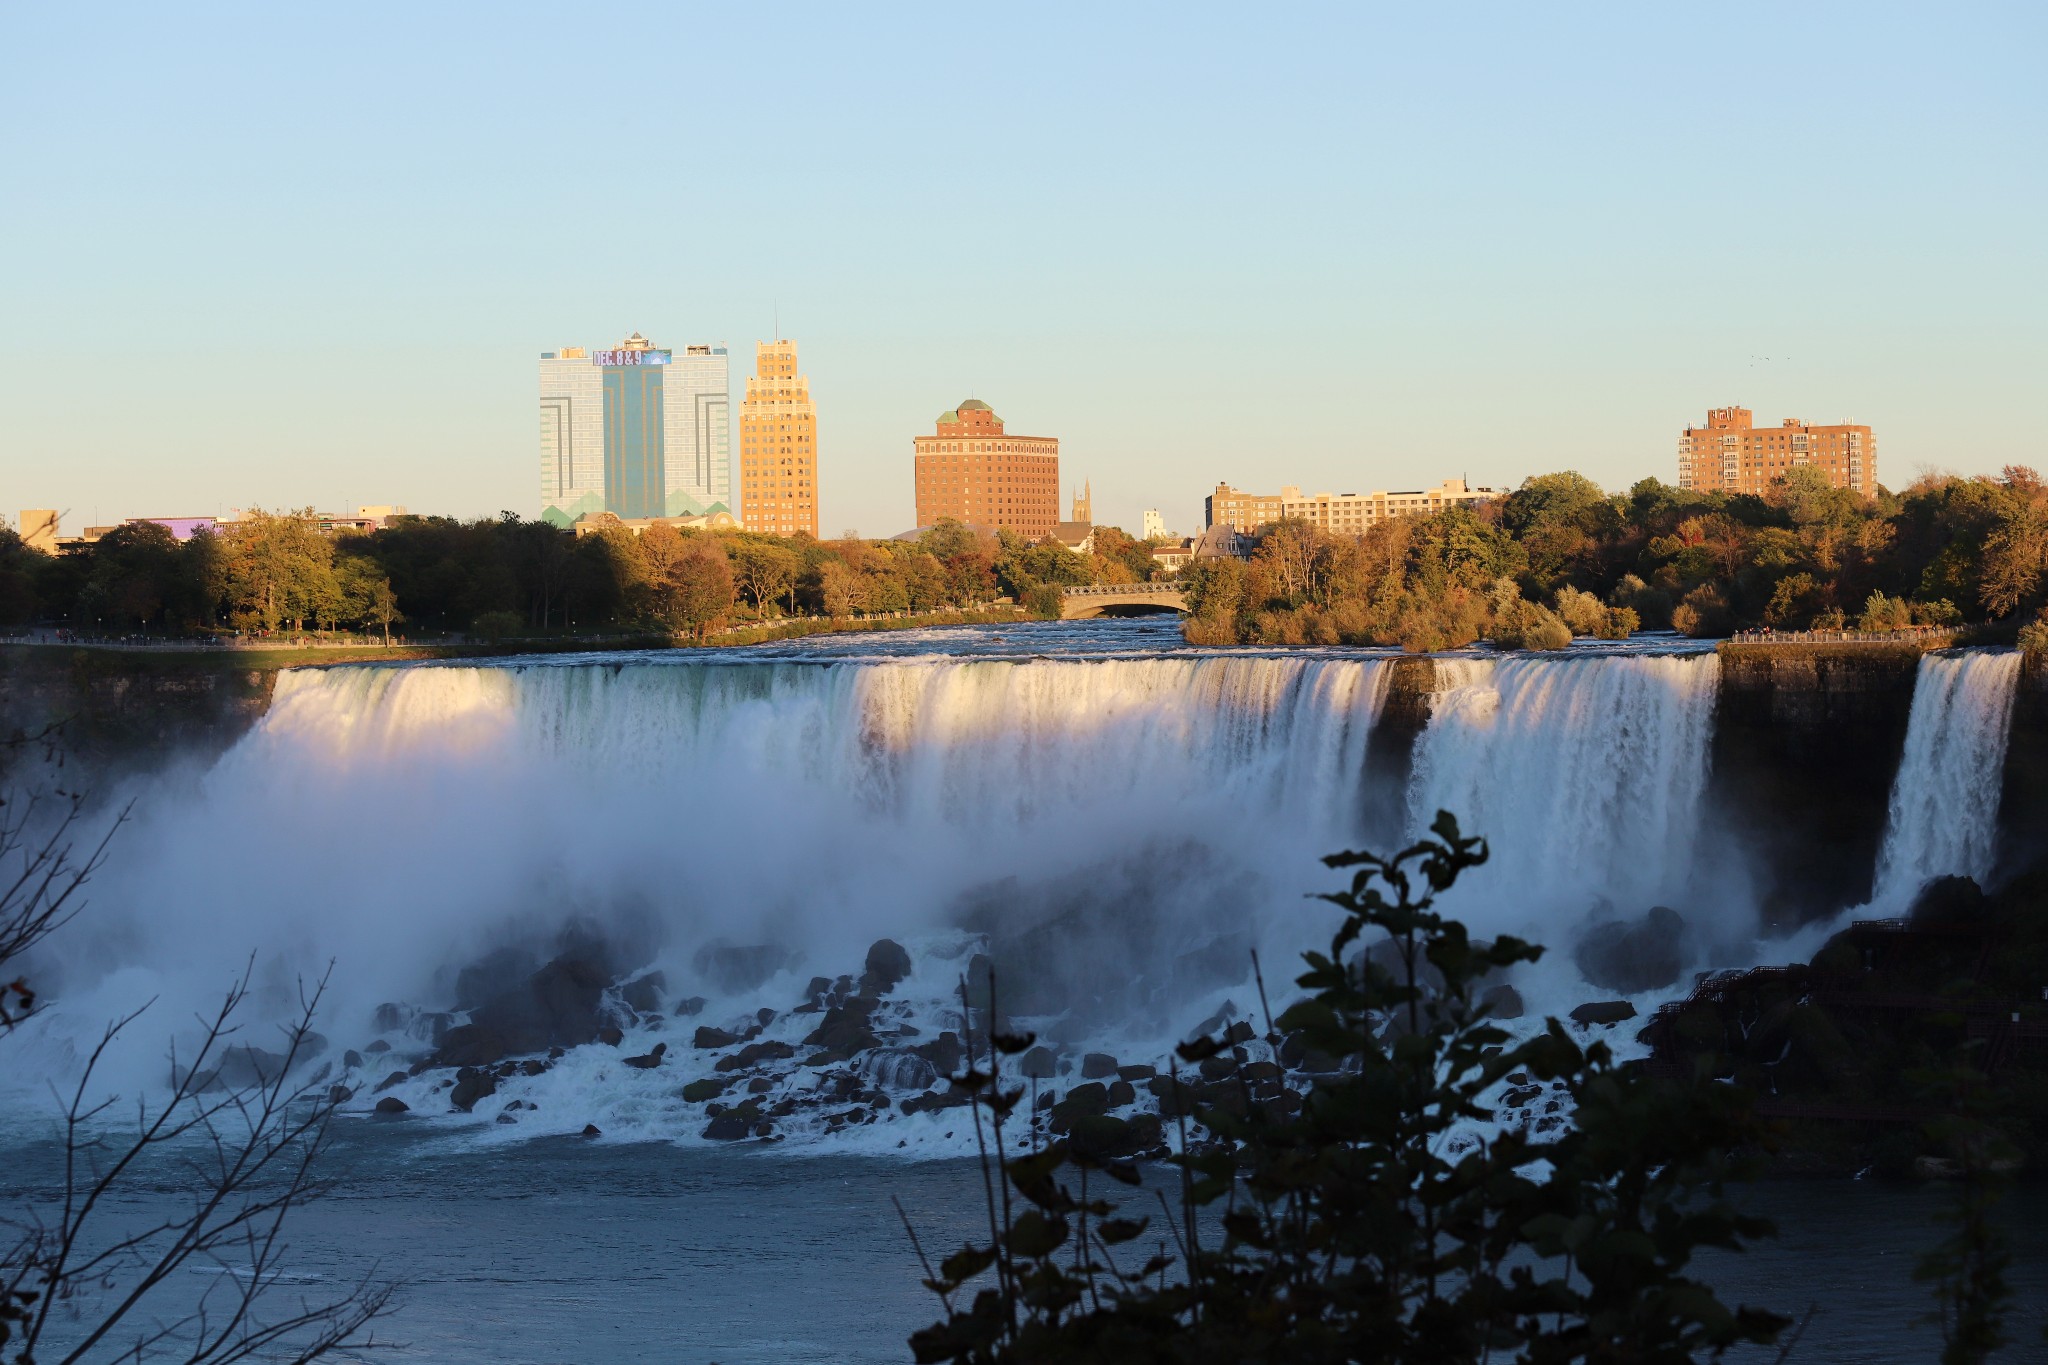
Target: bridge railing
(1842, 637)
(1121, 589)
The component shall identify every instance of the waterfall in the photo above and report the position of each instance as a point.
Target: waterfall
(1117, 832)
(1943, 817)
(1585, 776)
(401, 821)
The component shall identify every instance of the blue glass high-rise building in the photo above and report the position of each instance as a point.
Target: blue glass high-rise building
(637, 430)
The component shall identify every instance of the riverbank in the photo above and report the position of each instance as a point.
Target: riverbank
(269, 654)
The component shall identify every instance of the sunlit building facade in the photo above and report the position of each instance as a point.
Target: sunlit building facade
(973, 471)
(1731, 454)
(1337, 513)
(778, 445)
(637, 430)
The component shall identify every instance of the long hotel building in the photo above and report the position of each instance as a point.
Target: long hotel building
(1337, 513)
(637, 430)
(778, 445)
(973, 471)
(1731, 454)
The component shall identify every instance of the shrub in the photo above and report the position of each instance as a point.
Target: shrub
(1652, 606)
(1703, 614)
(1885, 613)
(1793, 602)
(497, 625)
(1045, 601)
(1942, 613)
(1582, 611)
(1380, 1220)
(1618, 623)
(1528, 625)
(2034, 634)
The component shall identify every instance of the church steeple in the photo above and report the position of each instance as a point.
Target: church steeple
(1084, 504)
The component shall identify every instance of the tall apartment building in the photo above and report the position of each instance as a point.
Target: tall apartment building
(1155, 525)
(1337, 513)
(778, 445)
(973, 471)
(637, 430)
(1730, 454)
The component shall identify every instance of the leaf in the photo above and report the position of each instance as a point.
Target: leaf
(1010, 1044)
(964, 1264)
(1117, 1230)
(1036, 1234)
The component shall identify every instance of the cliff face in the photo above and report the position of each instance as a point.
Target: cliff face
(1390, 753)
(2023, 805)
(1807, 740)
(121, 713)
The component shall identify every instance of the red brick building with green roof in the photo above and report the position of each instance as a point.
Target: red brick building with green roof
(973, 471)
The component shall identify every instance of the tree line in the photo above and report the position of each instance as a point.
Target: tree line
(272, 572)
(1560, 557)
(1557, 558)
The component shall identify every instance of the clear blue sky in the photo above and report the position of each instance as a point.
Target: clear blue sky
(288, 254)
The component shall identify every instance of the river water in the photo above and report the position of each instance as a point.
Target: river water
(1123, 815)
(566, 1251)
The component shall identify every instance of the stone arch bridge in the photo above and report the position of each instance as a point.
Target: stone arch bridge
(1120, 599)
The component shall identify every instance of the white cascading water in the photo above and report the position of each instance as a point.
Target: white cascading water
(1943, 817)
(1587, 777)
(1130, 825)
(403, 821)
(1586, 774)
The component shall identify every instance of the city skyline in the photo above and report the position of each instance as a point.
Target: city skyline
(1412, 249)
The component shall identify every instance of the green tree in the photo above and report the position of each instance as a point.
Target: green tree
(21, 569)
(280, 568)
(698, 589)
(764, 570)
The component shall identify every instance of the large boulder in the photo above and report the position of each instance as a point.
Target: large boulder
(558, 1006)
(1605, 1013)
(647, 1061)
(1106, 1137)
(1647, 954)
(1096, 1066)
(846, 1028)
(753, 1054)
(944, 1052)
(1083, 1100)
(888, 963)
(951, 1097)
(1039, 1063)
(1502, 1002)
(643, 995)
(471, 1086)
